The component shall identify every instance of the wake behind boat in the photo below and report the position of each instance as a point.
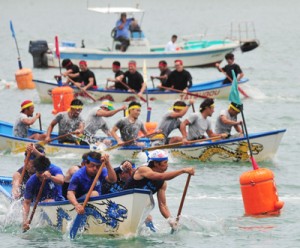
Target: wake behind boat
(264, 146)
(119, 213)
(212, 89)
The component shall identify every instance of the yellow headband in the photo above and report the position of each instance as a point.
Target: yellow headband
(234, 108)
(27, 105)
(134, 107)
(179, 107)
(76, 106)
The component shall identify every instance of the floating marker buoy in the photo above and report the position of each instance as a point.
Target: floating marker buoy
(150, 127)
(62, 98)
(259, 192)
(24, 79)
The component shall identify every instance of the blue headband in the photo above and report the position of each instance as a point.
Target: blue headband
(94, 160)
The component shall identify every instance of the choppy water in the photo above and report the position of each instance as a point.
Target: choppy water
(213, 211)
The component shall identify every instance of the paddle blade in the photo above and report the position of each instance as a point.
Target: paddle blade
(57, 47)
(77, 224)
(12, 30)
(234, 95)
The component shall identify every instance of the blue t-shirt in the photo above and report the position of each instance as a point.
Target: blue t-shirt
(81, 182)
(51, 190)
(125, 31)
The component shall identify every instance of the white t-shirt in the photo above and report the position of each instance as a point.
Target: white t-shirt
(170, 47)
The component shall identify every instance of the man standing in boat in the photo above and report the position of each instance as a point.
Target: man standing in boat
(227, 69)
(171, 46)
(122, 31)
(199, 124)
(116, 68)
(153, 177)
(86, 76)
(72, 71)
(83, 179)
(180, 79)
(135, 80)
(130, 126)
(164, 73)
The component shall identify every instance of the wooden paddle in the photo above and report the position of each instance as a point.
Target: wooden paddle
(79, 217)
(24, 167)
(37, 200)
(84, 91)
(180, 143)
(133, 91)
(40, 123)
(182, 92)
(182, 200)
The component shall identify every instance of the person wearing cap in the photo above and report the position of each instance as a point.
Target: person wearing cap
(95, 120)
(228, 119)
(154, 176)
(116, 68)
(52, 190)
(72, 71)
(199, 124)
(171, 46)
(86, 76)
(68, 121)
(25, 119)
(180, 79)
(171, 121)
(35, 150)
(122, 31)
(228, 69)
(135, 80)
(164, 73)
(83, 179)
(123, 173)
(130, 126)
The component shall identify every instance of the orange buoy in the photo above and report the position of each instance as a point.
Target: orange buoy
(150, 127)
(62, 98)
(259, 192)
(24, 79)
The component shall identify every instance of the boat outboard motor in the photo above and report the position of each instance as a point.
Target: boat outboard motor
(249, 45)
(38, 51)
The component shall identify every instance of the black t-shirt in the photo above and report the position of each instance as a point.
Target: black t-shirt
(118, 85)
(85, 75)
(228, 69)
(164, 81)
(179, 80)
(74, 69)
(134, 80)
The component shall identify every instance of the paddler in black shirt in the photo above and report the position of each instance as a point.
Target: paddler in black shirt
(116, 68)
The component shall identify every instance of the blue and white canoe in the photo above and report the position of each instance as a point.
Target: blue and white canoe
(120, 213)
(212, 89)
(264, 146)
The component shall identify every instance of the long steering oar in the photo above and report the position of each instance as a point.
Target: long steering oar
(37, 200)
(180, 143)
(133, 91)
(239, 88)
(182, 200)
(79, 218)
(182, 92)
(84, 91)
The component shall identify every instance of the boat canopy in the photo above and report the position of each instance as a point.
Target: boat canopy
(108, 10)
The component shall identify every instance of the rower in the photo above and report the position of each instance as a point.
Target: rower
(72, 71)
(116, 68)
(86, 76)
(164, 73)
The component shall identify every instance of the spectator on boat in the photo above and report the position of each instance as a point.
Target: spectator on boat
(18, 187)
(180, 79)
(135, 80)
(86, 76)
(199, 124)
(122, 31)
(135, 28)
(52, 190)
(68, 121)
(130, 126)
(25, 119)
(123, 173)
(153, 177)
(116, 68)
(95, 120)
(82, 180)
(228, 119)
(171, 46)
(164, 73)
(171, 121)
(72, 71)
(70, 172)
(227, 69)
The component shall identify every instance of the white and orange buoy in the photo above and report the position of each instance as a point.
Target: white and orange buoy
(62, 98)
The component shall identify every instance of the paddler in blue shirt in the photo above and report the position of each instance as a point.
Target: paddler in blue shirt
(82, 180)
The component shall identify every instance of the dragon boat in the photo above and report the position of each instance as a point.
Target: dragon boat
(119, 213)
(212, 89)
(264, 146)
